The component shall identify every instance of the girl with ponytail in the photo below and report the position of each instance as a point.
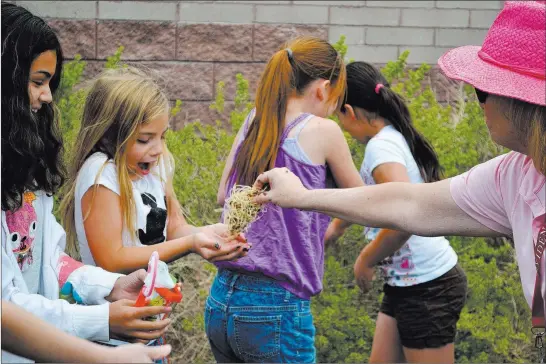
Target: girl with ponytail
(425, 288)
(259, 306)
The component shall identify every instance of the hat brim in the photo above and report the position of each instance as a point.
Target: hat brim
(464, 64)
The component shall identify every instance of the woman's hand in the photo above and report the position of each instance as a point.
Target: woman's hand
(128, 321)
(364, 273)
(214, 247)
(285, 188)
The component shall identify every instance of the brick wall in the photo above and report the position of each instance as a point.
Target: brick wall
(195, 44)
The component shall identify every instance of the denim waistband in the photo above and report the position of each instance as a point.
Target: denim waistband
(301, 307)
(259, 284)
(254, 282)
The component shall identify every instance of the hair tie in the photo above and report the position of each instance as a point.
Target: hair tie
(378, 87)
(290, 53)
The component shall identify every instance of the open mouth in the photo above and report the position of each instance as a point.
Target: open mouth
(144, 167)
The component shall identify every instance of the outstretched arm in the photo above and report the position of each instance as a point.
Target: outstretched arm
(422, 209)
(387, 241)
(104, 226)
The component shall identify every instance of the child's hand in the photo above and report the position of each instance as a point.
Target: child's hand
(215, 230)
(136, 353)
(364, 274)
(221, 230)
(128, 321)
(216, 249)
(128, 287)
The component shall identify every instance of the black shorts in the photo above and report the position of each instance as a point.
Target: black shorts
(426, 314)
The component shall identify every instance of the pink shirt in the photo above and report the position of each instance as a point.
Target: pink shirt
(507, 194)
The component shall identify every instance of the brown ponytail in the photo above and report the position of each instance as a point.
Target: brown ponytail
(287, 74)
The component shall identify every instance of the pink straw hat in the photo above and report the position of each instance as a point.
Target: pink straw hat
(511, 61)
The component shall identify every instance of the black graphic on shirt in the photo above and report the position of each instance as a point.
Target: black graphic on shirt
(155, 222)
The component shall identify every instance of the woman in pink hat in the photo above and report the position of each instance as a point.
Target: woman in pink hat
(505, 196)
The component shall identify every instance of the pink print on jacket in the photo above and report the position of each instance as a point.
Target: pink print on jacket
(22, 226)
(65, 266)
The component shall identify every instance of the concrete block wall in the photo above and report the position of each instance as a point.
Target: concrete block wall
(194, 44)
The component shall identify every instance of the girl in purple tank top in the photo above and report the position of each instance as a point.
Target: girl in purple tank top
(259, 306)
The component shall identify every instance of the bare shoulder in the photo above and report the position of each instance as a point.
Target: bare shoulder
(319, 138)
(322, 127)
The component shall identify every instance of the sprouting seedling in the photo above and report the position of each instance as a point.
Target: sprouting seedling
(241, 210)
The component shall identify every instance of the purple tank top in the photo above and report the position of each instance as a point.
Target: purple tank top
(287, 244)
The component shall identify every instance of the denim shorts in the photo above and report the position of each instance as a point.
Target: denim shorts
(252, 318)
(426, 314)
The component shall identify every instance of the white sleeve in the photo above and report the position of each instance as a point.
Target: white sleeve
(92, 284)
(88, 322)
(97, 170)
(379, 151)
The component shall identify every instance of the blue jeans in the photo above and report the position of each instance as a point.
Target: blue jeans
(253, 319)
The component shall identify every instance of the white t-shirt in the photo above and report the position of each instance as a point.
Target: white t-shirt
(148, 194)
(421, 259)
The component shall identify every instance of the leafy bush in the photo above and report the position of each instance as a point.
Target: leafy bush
(494, 325)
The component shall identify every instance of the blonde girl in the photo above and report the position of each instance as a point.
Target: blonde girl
(120, 205)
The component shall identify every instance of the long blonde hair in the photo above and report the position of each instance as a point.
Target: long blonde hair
(119, 101)
(529, 120)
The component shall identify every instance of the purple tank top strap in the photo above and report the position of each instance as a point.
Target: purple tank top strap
(292, 125)
(246, 124)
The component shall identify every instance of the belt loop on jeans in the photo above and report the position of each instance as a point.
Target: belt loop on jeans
(232, 281)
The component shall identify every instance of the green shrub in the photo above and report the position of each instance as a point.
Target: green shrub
(494, 325)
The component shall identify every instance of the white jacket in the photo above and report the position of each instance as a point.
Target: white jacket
(88, 321)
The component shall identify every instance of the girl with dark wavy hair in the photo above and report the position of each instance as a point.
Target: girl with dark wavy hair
(35, 271)
(31, 139)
